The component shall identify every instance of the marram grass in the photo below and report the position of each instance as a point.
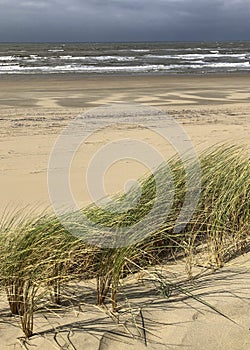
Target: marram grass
(38, 256)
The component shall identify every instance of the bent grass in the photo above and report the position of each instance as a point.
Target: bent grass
(38, 256)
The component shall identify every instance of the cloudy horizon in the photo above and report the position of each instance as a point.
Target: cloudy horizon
(124, 20)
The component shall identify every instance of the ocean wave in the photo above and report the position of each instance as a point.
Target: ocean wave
(7, 58)
(108, 58)
(74, 68)
(114, 69)
(56, 50)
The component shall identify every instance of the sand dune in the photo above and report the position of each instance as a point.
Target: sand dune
(180, 321)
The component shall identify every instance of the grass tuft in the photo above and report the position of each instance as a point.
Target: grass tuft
(38, 256)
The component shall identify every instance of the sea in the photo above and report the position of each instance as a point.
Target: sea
(155, 58)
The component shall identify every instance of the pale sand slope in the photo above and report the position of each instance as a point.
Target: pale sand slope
(174, 323)
(34, 110)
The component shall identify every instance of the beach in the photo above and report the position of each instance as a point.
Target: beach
(35, 109)
(212, 110)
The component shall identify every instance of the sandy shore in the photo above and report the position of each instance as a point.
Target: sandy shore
(35, 109)
(174, 323)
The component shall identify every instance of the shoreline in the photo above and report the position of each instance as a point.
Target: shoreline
(204, 89)
(242, 74)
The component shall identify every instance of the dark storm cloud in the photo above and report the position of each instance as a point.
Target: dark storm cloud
(110, 20)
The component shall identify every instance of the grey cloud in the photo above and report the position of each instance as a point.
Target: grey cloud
(110, 20)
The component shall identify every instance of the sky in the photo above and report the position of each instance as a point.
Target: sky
(124, 20)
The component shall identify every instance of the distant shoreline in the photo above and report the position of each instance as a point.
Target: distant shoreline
(77, 76)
